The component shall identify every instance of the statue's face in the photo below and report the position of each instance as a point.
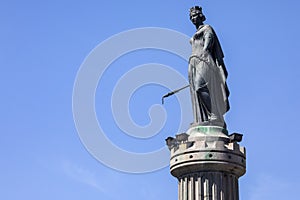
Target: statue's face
(195, 18)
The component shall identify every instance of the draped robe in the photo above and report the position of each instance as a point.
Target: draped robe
(207, 74)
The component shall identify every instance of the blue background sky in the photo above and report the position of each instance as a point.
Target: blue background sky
(43, 44)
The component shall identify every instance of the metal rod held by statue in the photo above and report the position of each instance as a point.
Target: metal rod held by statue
(173, 92)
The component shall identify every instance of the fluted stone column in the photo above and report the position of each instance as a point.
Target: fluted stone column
(207, 163)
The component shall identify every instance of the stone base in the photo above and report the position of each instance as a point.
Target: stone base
(208, 159)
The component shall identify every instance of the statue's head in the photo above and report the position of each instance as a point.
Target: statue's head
(196, 14)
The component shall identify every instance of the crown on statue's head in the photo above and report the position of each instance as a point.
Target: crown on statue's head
(195, 9)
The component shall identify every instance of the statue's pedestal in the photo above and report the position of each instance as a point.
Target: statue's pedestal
(207, 163)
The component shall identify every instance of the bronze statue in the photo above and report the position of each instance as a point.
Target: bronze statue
(207, 74)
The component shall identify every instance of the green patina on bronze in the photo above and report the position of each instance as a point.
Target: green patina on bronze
(211, 130)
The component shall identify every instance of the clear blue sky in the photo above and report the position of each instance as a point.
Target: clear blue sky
(44, 43)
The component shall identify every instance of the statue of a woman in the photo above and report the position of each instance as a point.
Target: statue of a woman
(207, 74)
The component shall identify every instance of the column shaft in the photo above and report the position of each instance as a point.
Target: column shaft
(208, 186)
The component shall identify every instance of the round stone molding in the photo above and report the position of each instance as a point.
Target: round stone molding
(203, 152)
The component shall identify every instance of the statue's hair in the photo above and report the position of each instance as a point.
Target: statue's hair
(198, 10)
